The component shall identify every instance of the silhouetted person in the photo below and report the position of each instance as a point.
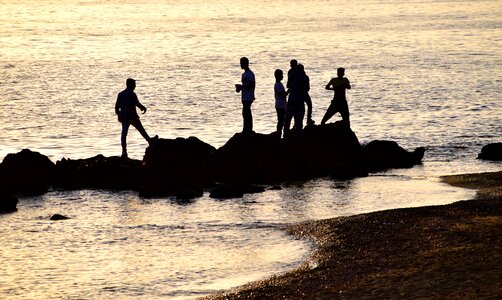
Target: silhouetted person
(339, 103)
(280, 100)
(299, 87)
(125, 108)
(293, 65)
(247, 92)
(308, 100)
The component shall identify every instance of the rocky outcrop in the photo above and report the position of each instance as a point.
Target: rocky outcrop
(58, 217)
(26, 172)
(329, 150)
(185, 167)
(491, 152)
(98, 172)
(383, 155)
(178, 167)
(8, 202)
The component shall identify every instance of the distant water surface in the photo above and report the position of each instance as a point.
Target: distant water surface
(423, 73)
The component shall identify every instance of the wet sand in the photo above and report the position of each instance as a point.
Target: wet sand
(442, 252)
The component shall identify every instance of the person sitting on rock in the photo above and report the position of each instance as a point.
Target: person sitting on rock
(339, 103)
(125, 108)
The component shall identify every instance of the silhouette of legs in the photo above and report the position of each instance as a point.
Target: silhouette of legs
(247, 116)
(123, 138)
(137, 124)
(281, 115)
(308, 101)
(333, 108)
(125, 129)
(296, 111)
(345, 116)
(298, 116)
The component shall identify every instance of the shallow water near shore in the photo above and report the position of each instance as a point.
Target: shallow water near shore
(422, 74)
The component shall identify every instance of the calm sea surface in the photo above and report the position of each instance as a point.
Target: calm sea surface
(423, 73)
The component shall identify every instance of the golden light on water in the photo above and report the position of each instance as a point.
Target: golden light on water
(423, 74)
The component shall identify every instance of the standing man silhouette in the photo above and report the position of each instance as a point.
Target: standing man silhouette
(125, 108)
(247, 94)
(299, 86)
(339, 103)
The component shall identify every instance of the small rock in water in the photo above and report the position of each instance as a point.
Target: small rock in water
(491, 152)
(57, 217)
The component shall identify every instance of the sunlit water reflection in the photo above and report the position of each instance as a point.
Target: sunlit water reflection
(423, 74)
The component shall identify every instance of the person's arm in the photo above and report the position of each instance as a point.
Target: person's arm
(117, 106)
(347, 83)
(139, 105)
(329, 86)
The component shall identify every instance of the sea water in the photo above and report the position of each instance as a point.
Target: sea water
(423, 73)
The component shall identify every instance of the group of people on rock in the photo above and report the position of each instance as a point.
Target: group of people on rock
(289, 102)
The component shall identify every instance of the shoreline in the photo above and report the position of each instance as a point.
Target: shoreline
(447, 251)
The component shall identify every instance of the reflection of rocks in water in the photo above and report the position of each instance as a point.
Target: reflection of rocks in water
(185, 167)
(491, 152)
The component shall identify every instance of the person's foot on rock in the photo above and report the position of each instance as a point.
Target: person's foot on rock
(153, 140)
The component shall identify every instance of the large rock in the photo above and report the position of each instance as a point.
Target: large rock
(383, 155)
(491, 152)
(178, 167)
(26, 172)
(331, 149)
(8, 202)
(98, 172)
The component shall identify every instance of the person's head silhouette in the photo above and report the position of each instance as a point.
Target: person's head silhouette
(131, 83)
(244, 63)
(293, 63)
(340, 72)
(278, 74)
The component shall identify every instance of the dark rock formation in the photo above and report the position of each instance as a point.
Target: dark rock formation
(185, 167)
(319, 150)
(26, 172)
(58, 217)
(382, 155)
(8, 202)
(491, 152)
(178, 167)
(331, 149)
(98, 172)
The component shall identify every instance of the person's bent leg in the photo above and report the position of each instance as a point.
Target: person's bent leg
(331, 111)
(137, 124)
